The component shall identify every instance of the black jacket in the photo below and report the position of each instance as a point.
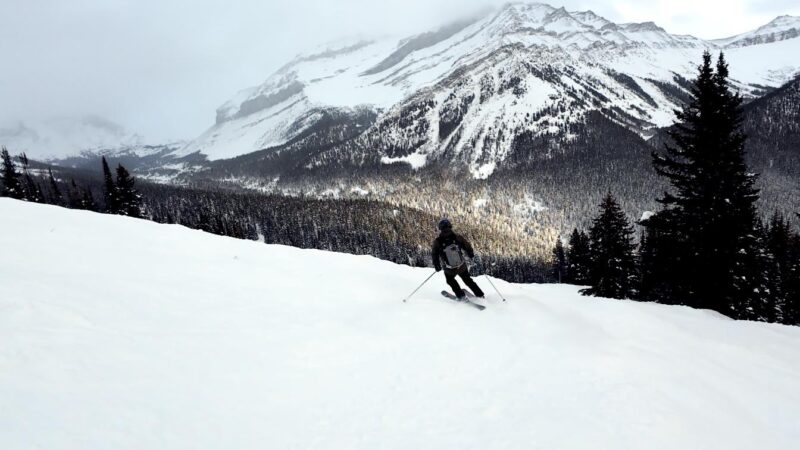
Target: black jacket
(444, 239)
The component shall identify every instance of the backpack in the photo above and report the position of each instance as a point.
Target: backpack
(452, 256)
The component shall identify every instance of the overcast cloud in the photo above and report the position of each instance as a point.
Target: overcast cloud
(162, 67)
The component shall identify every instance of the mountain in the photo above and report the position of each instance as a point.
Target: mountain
(772, 124)
(63, 137)
(780, 29)
(468, 93)
(79, 142)
(174, 338)
(515, 123)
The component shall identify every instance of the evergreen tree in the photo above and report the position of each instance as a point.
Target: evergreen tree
(110, 195)
(559, 261)
(10, 177)
(87, 201)
(128, 199)
(778, 244)
(74, 195)
(55, 192)
(708, 228)
(613, 268)
(81, 198)
(767, 306)
(579, 258)
(647, 268)
(33, 193)
(791, 311)
(661, 254)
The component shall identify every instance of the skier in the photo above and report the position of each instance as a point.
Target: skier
(448, 249)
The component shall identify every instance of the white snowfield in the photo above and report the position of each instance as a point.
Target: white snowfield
(119, 333)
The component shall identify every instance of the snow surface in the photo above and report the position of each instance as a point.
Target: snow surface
(126, 334)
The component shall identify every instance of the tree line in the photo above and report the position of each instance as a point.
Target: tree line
(357, 226)
(707, 247)
(119, 196)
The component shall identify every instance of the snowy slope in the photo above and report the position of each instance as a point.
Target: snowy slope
(464, 92)
(121, 333)
(781, 28)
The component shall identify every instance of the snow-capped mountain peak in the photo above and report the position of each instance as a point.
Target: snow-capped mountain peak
(469, 91)
(779, 29)
(590, 18)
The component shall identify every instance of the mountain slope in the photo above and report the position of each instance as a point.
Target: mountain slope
(172, 338)
(465, 92)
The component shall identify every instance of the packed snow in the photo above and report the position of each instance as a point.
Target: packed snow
(122, 333)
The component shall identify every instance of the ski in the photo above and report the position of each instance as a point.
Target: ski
(470, 295)
(455, 299)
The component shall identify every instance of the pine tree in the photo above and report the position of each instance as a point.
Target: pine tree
(10, 177)
(110, 194)
(778, 243)
(87, 201)
(660, 260)
(613, 268)
(33, 193)
(559, 261)
(128, 198)
(55, 192)
(791, 310)
(709, 220)
(579, 258)
(768, 306)
(74, 195)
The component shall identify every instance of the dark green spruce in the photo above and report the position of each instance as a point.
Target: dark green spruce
(613, 264)
(10, 177)
(129, 202)
(579, 258)
(559, 261)
(56, 197)
(110, 195)
(703, 247)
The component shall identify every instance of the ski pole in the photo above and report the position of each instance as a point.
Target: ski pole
(419, 287)
(495, 287)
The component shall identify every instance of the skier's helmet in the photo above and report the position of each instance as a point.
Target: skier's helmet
(444, 224)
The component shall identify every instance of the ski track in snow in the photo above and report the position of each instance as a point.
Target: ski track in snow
(126, 334)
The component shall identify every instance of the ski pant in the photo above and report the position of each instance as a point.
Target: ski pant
(463, 272)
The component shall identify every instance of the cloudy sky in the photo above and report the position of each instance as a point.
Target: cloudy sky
(161, 67)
